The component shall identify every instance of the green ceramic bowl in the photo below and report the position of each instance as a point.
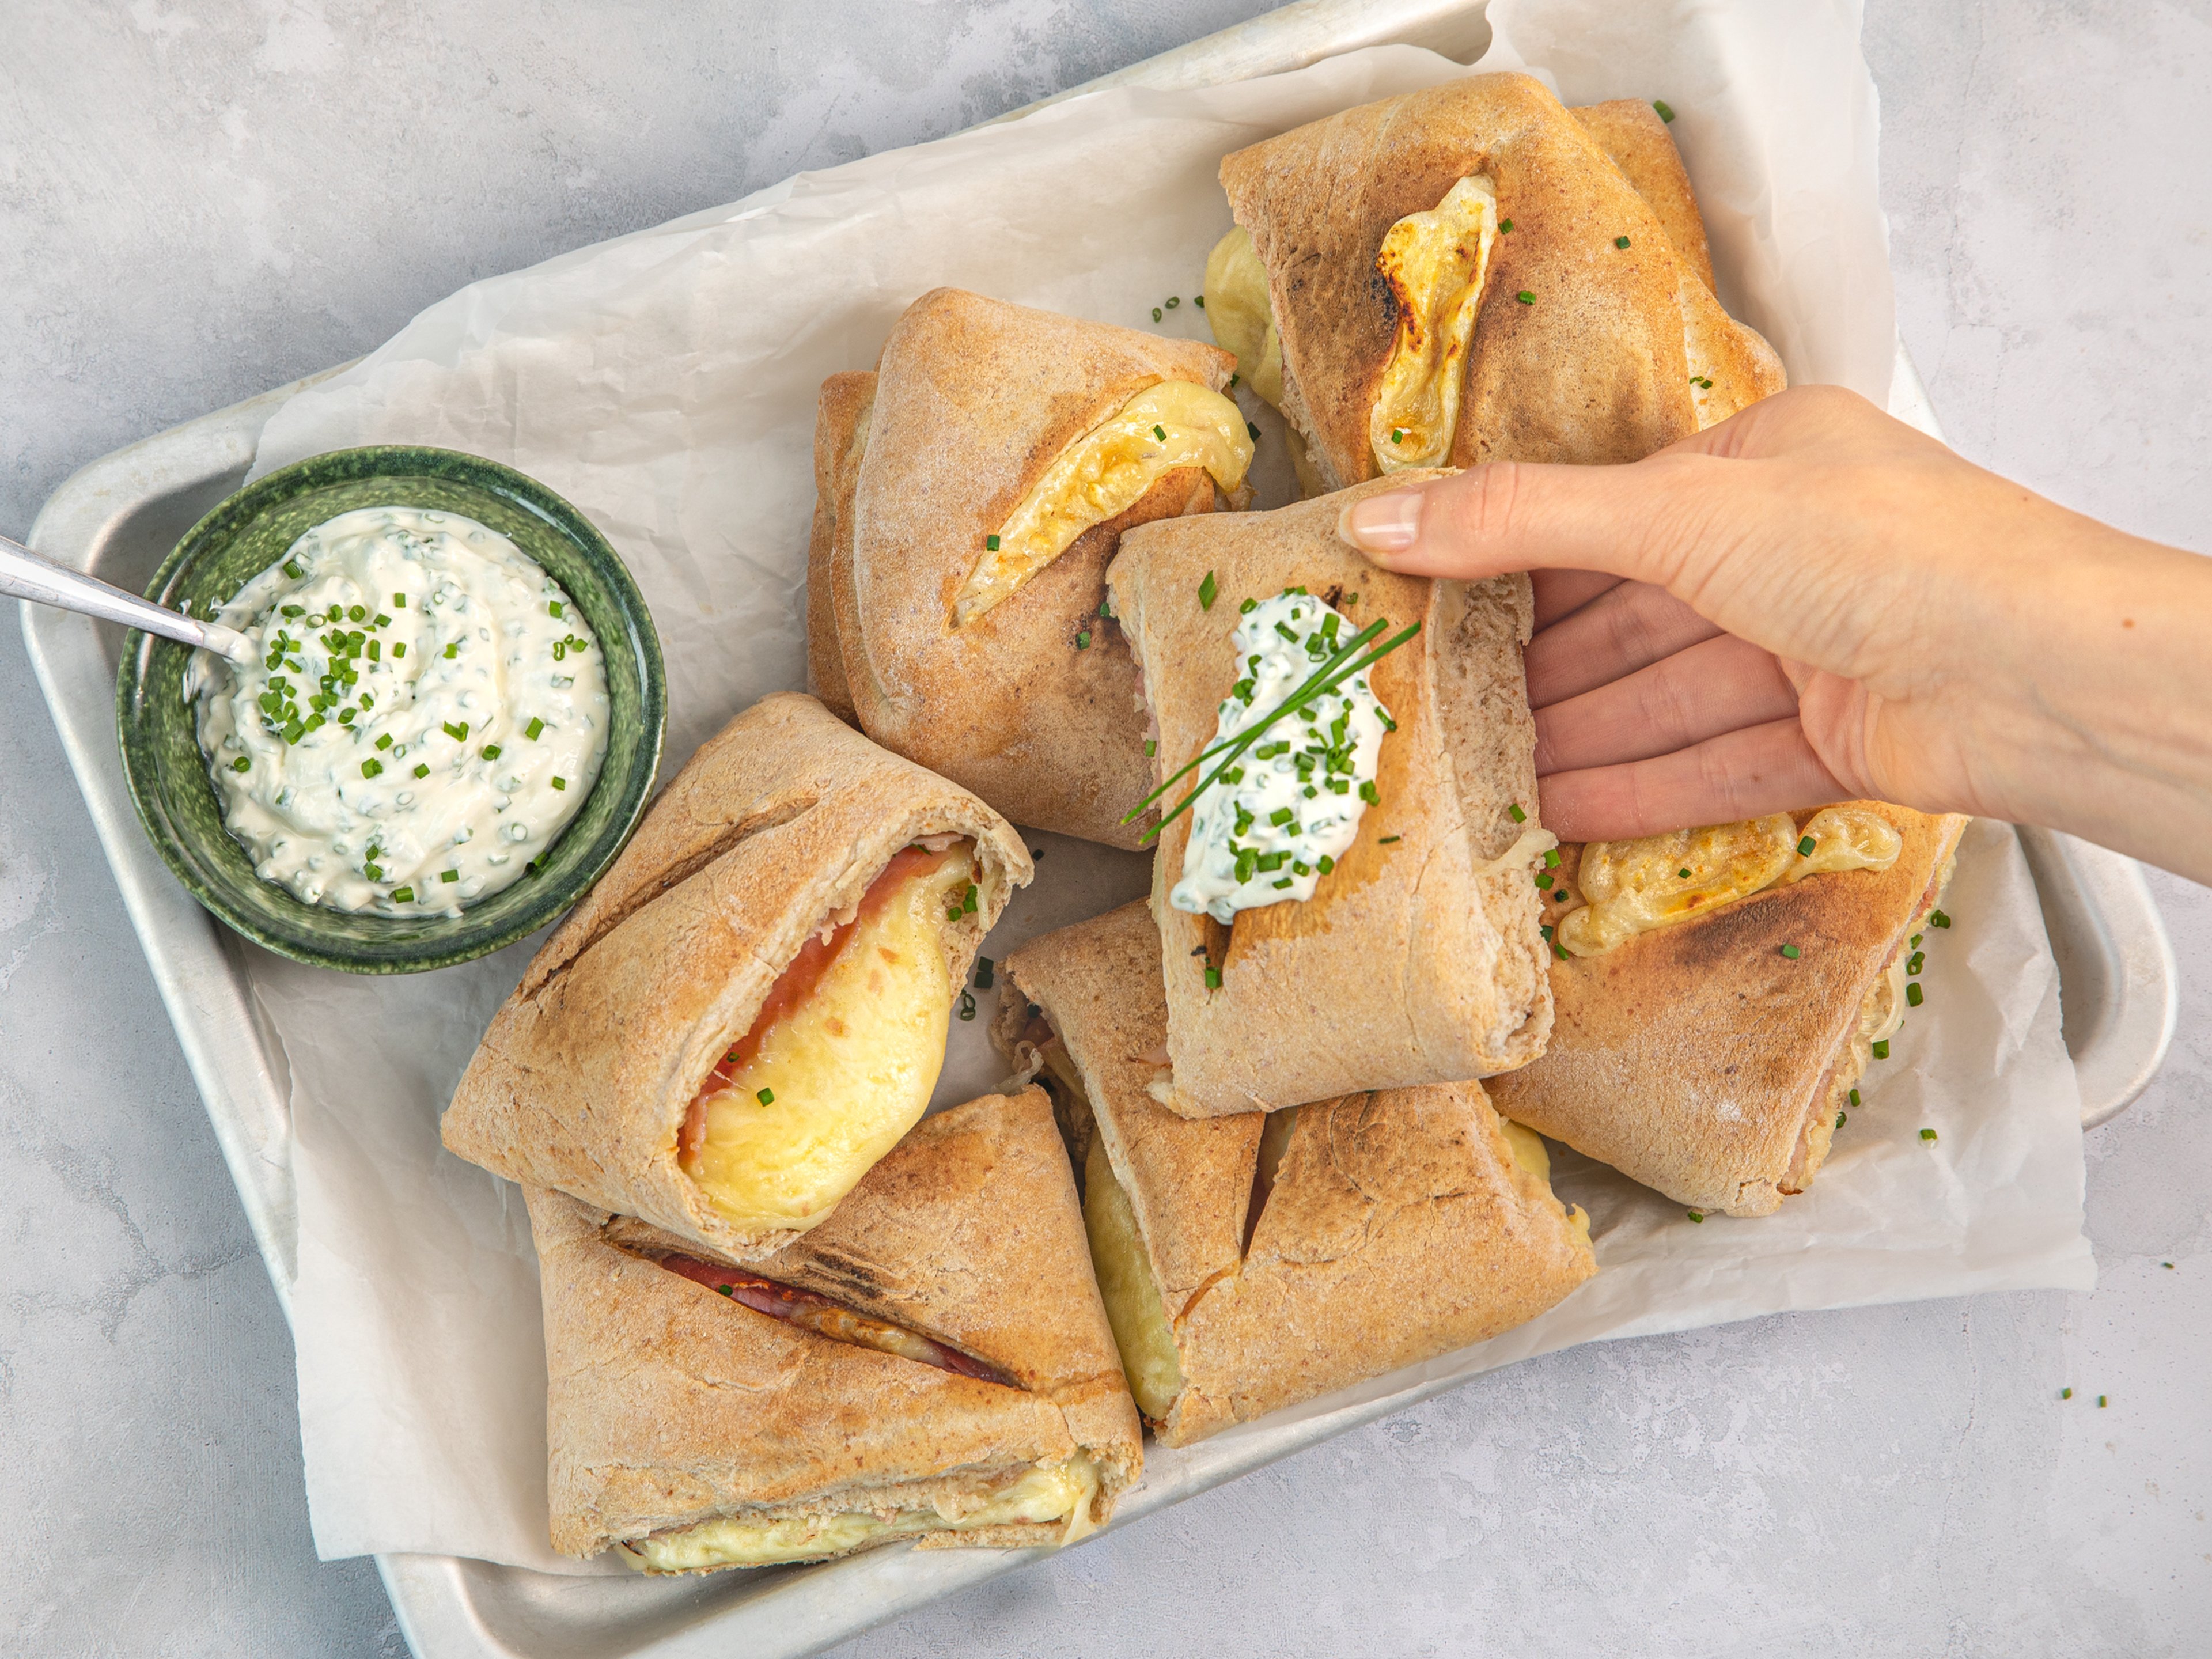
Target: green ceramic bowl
(249, 532)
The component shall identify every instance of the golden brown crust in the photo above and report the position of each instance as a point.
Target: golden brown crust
(1410, 964)
(841, 415)
(1635, 140)
(1699, 1059)
(1398, 1226)
(975, 398)
(668, 1404)
(1596, 367)
(779, 822)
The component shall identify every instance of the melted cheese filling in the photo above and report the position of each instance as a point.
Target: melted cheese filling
(1130, 1290)
(1242, 316)
(1435, 263)
(838, 1076)
(1631, 887)
(1048, 1492)
(1530, 1152)
(1103, 473)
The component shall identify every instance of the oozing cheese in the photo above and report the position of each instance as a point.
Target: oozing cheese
(1530, 1152)
(841, 1076)
(1435, 263)
(1103, 473)
(1048, 1492)
(1130, 1290)
(1242, 315)
(1633, 886)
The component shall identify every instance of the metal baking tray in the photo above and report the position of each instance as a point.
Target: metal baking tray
(120, 516)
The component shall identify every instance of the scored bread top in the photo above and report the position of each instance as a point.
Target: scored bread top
(840, 421)
(1418, 959)
(1695, 1058)
(1596, 366)
(778, 823)
(975, 398)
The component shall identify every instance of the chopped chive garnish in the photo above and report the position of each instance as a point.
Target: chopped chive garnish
(1370, 794)
(1620, 241)
(455, 649)
(532, 730)
(371, 766)
(458, 731)
(1208, 590)
(403, 895)
(1928, 1134)
(1839, 1119)
(291, 610)
(292, 569)
(1937, 919)
(1397, 435)
(1525, 297)
(1551, 858)
(356, 613)
(1543, 879)
(1914, 963)
(1855, 1097)
(1156, 313)
(491, 751)
(1386, 840)
(422, 771)
(766, 1097)
(1199, 300)
(1914, 995)
(2066, 1394)
(376, 651)
(1805, 847)
(1213, 979)
(1151, 747)
(385, 742)
(560, 783)
(1558, 950)
(967, 1004)
(241, 764)
(1790, 952)
(1696, 1215)
(968, 901)
(449, 875)
(1881, 1049)
(1174, 300)
(383, 620)
(983, 975)
(1515, 812)
(1665, 113)
(2101, 1401)
(1326, 865)
(1913, 944)
(992, 543)
(399, 648)
(1505, 227)
(1106, 609)
(372, 871)
(1083, 641)
(553, 608)
(1252, 428)
(1160, 433)
(1681, 875)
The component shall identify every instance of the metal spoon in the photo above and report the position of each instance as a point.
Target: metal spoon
(25, 575)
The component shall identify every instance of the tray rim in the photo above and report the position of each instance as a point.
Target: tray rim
(2115, 934)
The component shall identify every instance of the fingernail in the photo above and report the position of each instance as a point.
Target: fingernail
(1382, 524)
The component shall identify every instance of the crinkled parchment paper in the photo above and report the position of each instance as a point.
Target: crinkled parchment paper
(665, 383)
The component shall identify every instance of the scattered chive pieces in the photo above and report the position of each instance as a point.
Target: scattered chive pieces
(1696, 1215)
(1326, 865)
(1213, 977)
(449, 875)
(983, 975)
(1504, 227)
(532, 730)
(458, 733)
(560, 783)
(1387, 839)
(1937, 919)
(1543, 878)
(455, 649)
(1660, 106)
(1551, 858)
(1913, 994)
(2066, 1394)
(968, 901)
(766, 1097)
(403, 895)
(1558, 950)
(1160, 433)
(1370, 794)
(1914, 942)
(553, 608)
(1805, 847)
(1208, 591)
(1881, 1049)
(356, 613)
(1681, 875)
(1928, 1134)
(1839, 1119)
(1174, 300)
(1252, 428)
(371, 766)
(1397, 435)
(1855, 1097)
(1248, 607)
(1199, 300)
(1515, 812)
(1525, 297)
(967, 1004)
(292, 569)
(1151, 747)
(992, 543)
(491, 751)
(399, 648)
(1083, 641)
(1913, 965)
(382, 621)
(1106, 609)
(728, 1290)
(2100, 1402)
(1620, 241)
(1790, 952)
(241, 764)
(1156, 313)
(422, 771)
(2166, 1264)
(385, 742)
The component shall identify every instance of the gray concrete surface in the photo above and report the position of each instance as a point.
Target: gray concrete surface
(201, 200)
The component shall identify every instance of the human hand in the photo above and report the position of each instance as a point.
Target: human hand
(1811, 602)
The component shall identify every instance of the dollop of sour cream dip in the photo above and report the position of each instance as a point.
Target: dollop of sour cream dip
(1276, 822)
(426, 712)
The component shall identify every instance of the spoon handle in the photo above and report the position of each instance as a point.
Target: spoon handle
(25, 575)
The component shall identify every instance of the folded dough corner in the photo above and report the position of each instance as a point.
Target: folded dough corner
(1250, 1262)
(1708, 1053)
(751, 1008)
(932, 1362)
(1474, 273)
(970, 493)
(1416, 959)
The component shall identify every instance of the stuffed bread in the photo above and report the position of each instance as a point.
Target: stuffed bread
(1002, 452)
(1251, 1262)
(932, 1362)
(751, 1007)
(1469, 274)
(1719, 992)
(1352, 908)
